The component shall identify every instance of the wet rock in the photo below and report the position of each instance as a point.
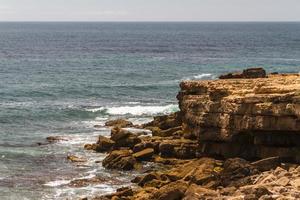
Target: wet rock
(90, 147)
(121, 123)
(78, 183)
(144, 155)
(76, 159)
(104, 144)
(119, 159)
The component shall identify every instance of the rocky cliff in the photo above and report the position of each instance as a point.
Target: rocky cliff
(249, 118)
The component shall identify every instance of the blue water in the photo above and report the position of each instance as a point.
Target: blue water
(64, 78)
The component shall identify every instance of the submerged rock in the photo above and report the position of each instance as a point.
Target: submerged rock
(76, 159)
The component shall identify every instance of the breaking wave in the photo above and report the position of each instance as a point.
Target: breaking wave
(138, 110)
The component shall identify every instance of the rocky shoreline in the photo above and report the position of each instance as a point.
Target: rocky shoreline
(233, 138)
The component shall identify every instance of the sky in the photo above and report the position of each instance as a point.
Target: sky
(149, 10)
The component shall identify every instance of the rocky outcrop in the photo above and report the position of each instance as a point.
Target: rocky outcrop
(247, 73)
(249, 118)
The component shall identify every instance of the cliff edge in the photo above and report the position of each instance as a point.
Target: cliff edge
(250, 118)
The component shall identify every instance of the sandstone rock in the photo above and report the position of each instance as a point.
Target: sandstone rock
(124, 138)
(144, 155)
(168, 132)
(178, 148)
(249, 118)
(121, 123)
(172, 191)
(236, 172)
(166, 121)
(119, 159)
(195, 192)
(104, 144)
(283, 181)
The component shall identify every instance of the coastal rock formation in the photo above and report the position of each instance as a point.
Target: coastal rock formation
(249, 118)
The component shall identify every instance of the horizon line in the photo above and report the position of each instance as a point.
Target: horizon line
(149, 21)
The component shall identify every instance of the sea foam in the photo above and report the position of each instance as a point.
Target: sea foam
(137, 110)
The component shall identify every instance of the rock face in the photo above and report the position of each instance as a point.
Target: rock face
(249, 118)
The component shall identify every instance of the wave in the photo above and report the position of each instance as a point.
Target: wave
(203, 76)
(136, 110)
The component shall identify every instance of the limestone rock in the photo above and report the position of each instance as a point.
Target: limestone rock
(249, 118)
(119, 159)
(124, 138)
(104, 144)
(121, 123)
(172, 191)
(144, 155)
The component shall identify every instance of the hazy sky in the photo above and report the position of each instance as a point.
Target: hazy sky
(149, 10)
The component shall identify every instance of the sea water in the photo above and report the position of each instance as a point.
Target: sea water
(64, 78)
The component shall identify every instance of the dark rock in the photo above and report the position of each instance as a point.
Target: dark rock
(53, 139)
(267, 163)
(247, 73)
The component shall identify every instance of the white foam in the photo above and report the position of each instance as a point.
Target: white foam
(137, 110)
(57, 183)
(203, 76)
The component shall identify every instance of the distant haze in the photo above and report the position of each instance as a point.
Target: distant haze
(149, 10)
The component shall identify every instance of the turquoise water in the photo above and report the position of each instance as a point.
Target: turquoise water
(64, 78)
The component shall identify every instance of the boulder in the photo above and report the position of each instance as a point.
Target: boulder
(124, 138)
(166, 121)
(119, 159)
(121, 123)
(144, 155)
(104, 144)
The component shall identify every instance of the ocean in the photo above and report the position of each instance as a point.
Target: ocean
(62, 79)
